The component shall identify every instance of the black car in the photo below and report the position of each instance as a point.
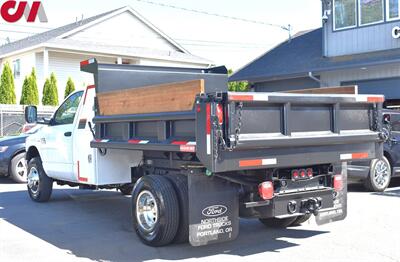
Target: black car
(376, 174)
(12, 156)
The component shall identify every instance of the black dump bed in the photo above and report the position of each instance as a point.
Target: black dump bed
(230, 131)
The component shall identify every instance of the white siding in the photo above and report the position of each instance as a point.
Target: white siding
(124, 30)
(334, 78)
(66, 65)
(27, 61)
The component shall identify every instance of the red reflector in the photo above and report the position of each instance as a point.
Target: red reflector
(249, 163)
(208, 119)
(359, 155)
(266, 190)
(375, 99)
(338, 182)
(86, 62)
(241, 98)
(295, 174)
(310, 173)
(198, 109)
(220, 114)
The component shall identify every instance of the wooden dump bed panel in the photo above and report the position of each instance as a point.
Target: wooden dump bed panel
(171, 97)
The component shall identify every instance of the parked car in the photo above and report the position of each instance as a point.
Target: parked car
(376, 174)
(12, 155)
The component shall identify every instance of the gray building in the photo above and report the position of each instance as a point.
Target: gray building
(358, 43)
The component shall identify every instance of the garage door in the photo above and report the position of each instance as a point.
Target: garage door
(390, 87)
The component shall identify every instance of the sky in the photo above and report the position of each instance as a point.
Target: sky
(225, 41)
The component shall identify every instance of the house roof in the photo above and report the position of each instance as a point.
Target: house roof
(58, 35)
(303, 55)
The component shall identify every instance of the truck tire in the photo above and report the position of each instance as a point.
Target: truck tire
(40, 185)
(155, 210)
(274, 222)
(379, 176)
(18, 169)
(301, 219)
(126, 189)
(180, 184)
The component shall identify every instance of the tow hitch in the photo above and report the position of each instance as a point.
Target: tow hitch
(311, 205)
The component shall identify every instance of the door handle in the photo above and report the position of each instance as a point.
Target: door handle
(68, 134)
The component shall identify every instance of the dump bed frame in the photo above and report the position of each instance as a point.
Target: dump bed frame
(259, 130)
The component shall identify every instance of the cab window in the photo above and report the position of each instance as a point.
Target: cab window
(66, 113)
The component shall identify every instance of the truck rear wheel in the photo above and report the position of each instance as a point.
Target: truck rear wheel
(155, 210)
(180, 184)
(274, 222)
(40, 185)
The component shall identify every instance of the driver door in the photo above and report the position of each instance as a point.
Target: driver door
(58, 156)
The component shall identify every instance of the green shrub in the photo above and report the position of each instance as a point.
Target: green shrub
(34, 87)
(69, 88)
(237, 86)
(50, 91)
(30, 93)
(7, 86)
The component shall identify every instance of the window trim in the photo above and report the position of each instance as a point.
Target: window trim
(388, 12)
(334, 17)
(372, 23)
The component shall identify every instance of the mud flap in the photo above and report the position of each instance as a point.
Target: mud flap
(339, 210)
(213, 210)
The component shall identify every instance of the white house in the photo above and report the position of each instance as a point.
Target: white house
(120, 36)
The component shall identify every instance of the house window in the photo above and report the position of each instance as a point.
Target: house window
(370, 11)
(17, 68)
(344, 14)
(392, 9)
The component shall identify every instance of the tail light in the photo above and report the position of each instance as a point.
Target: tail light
(310, 173)
(303, 173)
(266, 190)
(295, 174)
(338, 182)
(220, 114)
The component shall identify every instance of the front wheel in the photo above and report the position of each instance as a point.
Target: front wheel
(379, 175)
(40, 185)
(155, 210)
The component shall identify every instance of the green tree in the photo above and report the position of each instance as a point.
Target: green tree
(69, 88)
(26, 90)
(237, 86)
(7, 86)
(30, 93)
(50, 91)
(34, 87)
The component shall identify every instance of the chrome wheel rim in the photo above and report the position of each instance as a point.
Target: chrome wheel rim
(146, 211)
(20, 168)
(381, 176)
(33, 180)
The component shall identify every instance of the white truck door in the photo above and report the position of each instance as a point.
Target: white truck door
(58, 154)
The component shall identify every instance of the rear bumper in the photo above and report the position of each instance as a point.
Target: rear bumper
(279, 205)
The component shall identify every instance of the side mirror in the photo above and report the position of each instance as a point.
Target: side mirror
(31, 114)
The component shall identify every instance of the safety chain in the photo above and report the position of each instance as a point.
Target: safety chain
(219, 140)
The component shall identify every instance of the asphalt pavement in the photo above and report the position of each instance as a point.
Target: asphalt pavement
(80, 225)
